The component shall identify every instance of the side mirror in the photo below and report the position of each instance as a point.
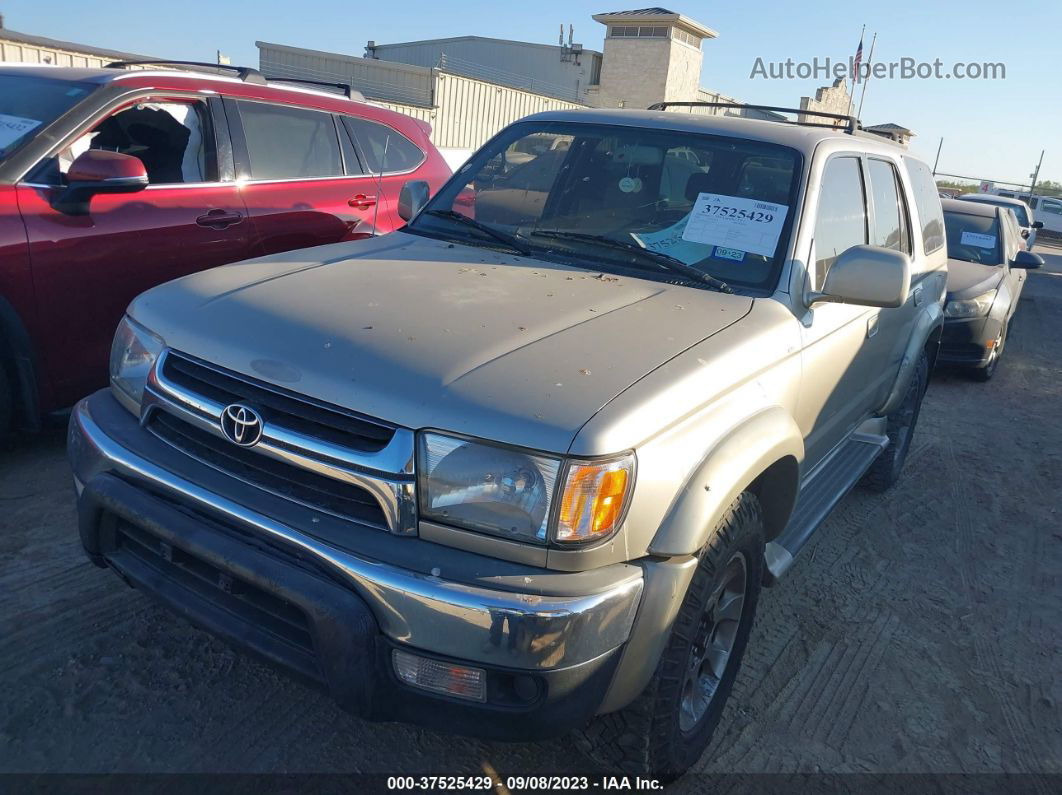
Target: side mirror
(1038, 225)
(1025, 233)
(867, 276)
(1027, 260)
(99, 171)
(412, 199)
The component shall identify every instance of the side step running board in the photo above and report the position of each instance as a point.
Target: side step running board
(826, 487)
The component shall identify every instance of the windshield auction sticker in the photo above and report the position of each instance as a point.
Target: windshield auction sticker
(14, 127)
(977, 239)
(736, 223)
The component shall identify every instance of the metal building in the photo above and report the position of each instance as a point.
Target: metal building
(554, 70)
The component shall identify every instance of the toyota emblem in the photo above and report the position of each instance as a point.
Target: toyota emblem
(241, 424)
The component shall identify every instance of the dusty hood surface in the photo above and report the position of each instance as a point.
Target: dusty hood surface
(427, 334)
(969, 279)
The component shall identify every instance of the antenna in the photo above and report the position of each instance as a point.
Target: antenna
(571, 32)
(379, 185)
(561, 39)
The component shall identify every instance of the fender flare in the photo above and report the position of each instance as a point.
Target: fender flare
(928, 326)
(729, 467)
(16, 351)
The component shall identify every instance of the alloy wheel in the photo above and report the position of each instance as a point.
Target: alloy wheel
(713, 643)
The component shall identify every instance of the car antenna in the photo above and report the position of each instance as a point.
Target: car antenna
(379, 184)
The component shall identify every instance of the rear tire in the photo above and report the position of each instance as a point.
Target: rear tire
(667, 728)
(885, 471)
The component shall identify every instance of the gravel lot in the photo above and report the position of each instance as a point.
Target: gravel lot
(920, 632)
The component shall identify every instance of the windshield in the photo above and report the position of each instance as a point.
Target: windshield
(974, 238)
(1019, 210)
(615, 196)
(28, 104)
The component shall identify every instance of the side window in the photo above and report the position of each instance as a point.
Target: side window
(927, 203)
(1052, 207)
(173, 139)
(842, 217)
(386, 150)
(289, 143)
(890, 215)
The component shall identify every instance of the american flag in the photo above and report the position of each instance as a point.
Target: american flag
(857, 61)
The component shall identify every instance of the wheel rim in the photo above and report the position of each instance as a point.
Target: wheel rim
(713, 643)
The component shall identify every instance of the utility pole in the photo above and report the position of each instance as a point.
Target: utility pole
(1035, 174)
(937, 161)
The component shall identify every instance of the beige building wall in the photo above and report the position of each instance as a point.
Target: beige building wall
(829, 99)
(634, 72)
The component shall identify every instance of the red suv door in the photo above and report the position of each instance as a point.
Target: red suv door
(302, 180)
(87, 268)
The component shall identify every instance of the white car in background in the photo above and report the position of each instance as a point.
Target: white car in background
(1022, 212)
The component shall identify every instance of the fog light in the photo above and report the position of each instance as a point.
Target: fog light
(440, 677)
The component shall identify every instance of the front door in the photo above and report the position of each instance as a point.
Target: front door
(87, 268)
(843, 345)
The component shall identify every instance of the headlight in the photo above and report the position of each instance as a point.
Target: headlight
(133, 352)
(970, 307)
(511, 493)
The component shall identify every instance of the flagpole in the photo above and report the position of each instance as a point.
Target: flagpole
(870, 61)
(855, 77)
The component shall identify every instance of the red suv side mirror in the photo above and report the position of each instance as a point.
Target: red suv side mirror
(99, 171)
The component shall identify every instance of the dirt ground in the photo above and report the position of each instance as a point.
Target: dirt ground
(921, 631)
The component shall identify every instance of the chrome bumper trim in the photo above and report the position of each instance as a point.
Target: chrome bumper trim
(518, 630)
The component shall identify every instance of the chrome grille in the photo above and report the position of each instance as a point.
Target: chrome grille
(315, 454)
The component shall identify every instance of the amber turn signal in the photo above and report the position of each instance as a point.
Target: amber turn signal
(594, 498)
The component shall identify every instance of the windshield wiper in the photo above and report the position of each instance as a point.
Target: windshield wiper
(510, 241)
(660, 258)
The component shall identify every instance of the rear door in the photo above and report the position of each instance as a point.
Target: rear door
(389, 156)
(303, 182)
(87, 268)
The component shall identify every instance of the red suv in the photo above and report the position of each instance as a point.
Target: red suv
(112, 181)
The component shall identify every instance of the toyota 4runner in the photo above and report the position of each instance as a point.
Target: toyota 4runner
(522, 467)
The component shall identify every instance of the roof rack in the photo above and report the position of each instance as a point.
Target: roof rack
(852, 123)
(245, 73)
(348, 92)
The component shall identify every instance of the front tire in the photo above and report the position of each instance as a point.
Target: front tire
(667, 728)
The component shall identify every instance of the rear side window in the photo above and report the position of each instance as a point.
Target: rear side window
(385, 150)
(927, 202)
(289, 143)
(890, 221)
(842, 218)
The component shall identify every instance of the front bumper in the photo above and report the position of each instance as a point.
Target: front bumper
(250, 567)
(964, 341)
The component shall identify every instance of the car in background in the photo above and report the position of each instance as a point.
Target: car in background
(114, 180)
(987, 264)
(1026, 220)
(1048, 211)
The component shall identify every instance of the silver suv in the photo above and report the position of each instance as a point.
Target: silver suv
(522, 467)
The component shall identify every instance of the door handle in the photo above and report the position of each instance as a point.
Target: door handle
(872, 325)
(362, 202)
(219, 219)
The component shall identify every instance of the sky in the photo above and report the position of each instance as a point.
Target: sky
(991, 129)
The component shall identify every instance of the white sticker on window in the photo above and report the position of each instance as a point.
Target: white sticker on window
(14, 127)
(734, 222)
(977, 239)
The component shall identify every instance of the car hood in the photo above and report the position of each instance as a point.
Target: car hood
(424, 333)
(970, 279)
